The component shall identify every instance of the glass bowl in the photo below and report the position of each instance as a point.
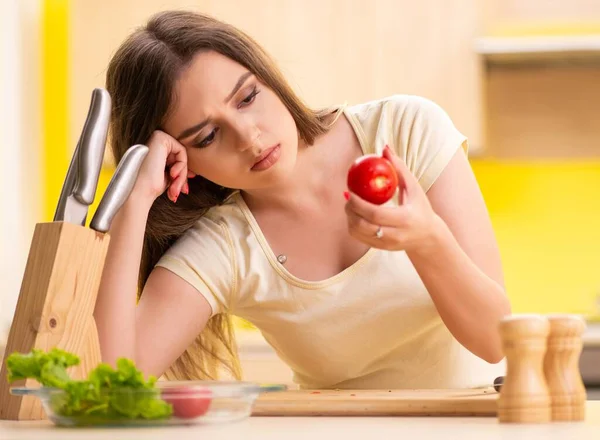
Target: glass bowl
(168, 403)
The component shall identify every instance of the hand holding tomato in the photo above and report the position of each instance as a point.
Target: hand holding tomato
(373, 178)
(409, 224)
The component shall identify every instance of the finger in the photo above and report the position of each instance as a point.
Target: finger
(403, 197)
(179, 183)
(177, 169)
(178, 175)
(359, 226)
(405, 177)
(177, 160)
(175, 152)
(191, 174)
(375, 214)
(171, 191)
(176, 187)
(356, 222)
(366, 232)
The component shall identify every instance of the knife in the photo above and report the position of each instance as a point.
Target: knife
(79, 188)
(498, 382)
(119, 187)
(497, 385)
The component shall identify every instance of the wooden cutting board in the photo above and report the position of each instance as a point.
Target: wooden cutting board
(473, 402)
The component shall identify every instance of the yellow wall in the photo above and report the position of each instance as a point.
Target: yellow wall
(547, 220)
(546, 214)
(56, 143)
(55, 93)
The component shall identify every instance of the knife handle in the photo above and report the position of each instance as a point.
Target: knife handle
(119, 187)
(498, 383)
(83, 173)
(91, 147)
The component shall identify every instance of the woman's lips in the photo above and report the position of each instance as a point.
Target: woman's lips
(267, 159)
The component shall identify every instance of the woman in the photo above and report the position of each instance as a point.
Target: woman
(241, 208)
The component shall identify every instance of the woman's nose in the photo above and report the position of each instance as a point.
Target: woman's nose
(249, 135)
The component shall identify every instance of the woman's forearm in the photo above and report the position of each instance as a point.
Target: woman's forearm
(115, 306)
(470, 303)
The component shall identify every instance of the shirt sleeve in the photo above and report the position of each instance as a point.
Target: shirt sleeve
(425, 137)
(203, 258)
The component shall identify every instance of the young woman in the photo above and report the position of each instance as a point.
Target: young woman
(241, 208)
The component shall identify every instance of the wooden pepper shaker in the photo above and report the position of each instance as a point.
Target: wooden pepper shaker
(561, 367)
(524, 396)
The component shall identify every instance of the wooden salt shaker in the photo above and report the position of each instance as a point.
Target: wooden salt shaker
(561, 367)
(524, 396)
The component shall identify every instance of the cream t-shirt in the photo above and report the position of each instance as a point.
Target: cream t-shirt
(373, 325)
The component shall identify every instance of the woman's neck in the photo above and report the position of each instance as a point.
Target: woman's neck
(318, 176)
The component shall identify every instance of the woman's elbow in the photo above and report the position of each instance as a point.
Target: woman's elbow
(492, 355)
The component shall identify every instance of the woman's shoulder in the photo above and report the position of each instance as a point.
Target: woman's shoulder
(398, 106)
(217, 222)
(420, 130)
(205, 255)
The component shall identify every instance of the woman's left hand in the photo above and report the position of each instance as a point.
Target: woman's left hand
(410, 225)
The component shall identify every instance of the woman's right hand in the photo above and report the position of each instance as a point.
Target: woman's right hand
(164, 168)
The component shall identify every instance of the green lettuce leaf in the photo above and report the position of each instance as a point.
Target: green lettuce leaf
(110, 393)
(49, 369)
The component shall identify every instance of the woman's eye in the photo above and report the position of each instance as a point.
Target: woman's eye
(248, 99)
(208, 139)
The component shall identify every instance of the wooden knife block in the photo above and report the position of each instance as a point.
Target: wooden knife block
(55, 306)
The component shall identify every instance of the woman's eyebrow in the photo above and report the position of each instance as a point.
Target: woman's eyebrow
(196, 128)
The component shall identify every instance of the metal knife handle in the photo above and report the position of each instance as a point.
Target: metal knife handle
(119, 187)
(92, 144)
(81, 181)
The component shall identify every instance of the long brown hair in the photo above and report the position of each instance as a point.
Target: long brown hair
(140, 80)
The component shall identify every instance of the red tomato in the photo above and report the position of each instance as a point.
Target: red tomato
(373, 178)
(188, 402)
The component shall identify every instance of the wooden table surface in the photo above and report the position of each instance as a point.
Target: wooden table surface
(421, 428)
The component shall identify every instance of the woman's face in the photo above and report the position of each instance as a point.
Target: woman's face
(236, 131)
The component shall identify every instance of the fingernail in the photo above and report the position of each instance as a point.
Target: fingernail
(186, 188)
(346, 195)
(175, 199)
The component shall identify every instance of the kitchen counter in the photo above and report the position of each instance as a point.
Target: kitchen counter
(292, 428)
